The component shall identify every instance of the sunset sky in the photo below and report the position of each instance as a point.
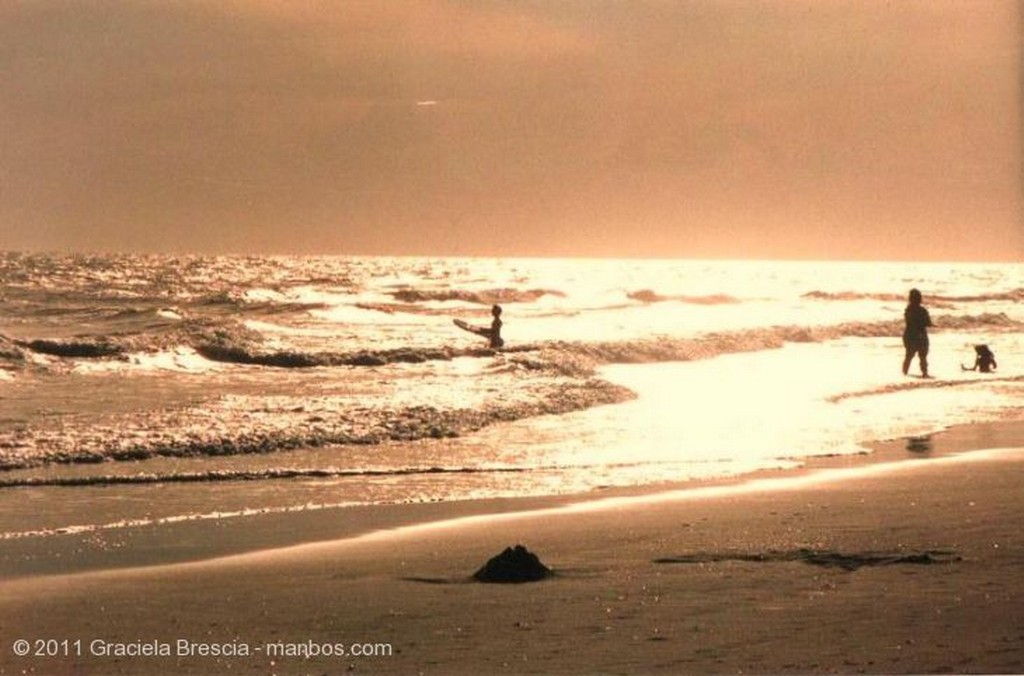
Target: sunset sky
(862, 129)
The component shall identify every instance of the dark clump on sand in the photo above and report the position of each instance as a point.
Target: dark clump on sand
(514, 565)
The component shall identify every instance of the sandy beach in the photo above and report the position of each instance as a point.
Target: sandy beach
(908, 561)
(310, 310)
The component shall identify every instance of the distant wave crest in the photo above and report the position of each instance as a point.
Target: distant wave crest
(854, 295)
(485, 297)
(1013, 296)
(649, 296)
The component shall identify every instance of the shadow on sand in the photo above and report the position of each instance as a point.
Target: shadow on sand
(826, 559)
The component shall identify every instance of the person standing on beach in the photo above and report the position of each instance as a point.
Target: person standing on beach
(915, 334)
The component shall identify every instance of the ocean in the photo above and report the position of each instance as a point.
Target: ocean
(146, 390)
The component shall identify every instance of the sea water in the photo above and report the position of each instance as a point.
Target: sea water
(146, 389)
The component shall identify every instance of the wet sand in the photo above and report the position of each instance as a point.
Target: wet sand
(855, 566)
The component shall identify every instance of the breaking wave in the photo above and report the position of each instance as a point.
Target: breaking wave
(232, 342)
(202, 431)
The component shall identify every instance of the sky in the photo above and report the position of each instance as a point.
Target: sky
(820, 129)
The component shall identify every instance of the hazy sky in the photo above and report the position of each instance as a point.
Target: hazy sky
(860, 129)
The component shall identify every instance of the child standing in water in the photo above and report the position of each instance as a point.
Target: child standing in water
(915, 334)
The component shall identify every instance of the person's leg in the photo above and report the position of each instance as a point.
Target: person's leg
(923, 356)
(907, 359)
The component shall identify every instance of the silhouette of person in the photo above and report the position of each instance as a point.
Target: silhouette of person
(984, 360)
(494, 334)
(915, 335)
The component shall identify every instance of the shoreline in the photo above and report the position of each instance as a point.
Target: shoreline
(732, 581)
(199, 540)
